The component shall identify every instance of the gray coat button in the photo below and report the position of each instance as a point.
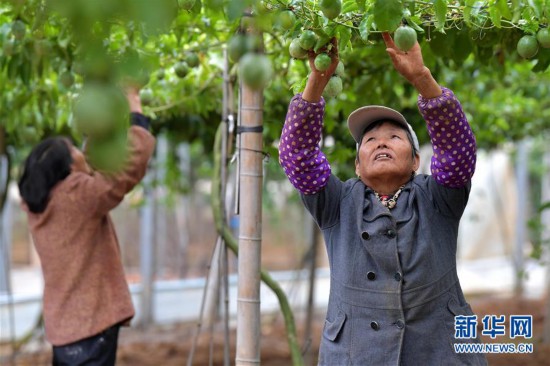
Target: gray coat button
(391, 233)
(399, 324)
(365, 235)
(371, 276)
(397, 276)
(374, 325)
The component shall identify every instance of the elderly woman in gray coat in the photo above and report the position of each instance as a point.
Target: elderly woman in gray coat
(390, 234)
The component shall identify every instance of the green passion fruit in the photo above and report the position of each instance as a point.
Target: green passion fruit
(192, 59)
(333, 88)
(527, 46)
(181, 69)
(307, 39)
(286, 19)
(255, 70)
(340, 70)
(146, 96)
(331, 8)
(543, 37)
(322, 62)
(100, 109)
(296, 51)
(110, 154)
(404, 38)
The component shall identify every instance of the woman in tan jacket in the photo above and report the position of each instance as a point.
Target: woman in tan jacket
(86, 296)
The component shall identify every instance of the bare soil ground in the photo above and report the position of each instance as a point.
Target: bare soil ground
(167, 346)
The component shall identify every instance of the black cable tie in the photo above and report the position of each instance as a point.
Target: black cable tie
(254, 129)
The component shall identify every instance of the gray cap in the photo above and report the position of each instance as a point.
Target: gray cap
(362, 117)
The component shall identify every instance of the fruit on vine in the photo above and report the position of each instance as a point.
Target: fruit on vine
(186, 4)
(527, 46)
(543, 37)
(100, 109)
(339, 69)
(160, 74)
(331, 8)
(181, 69)
(108, 154)
(333, 88)
(236, 47)
(18, 29)
(307, 39)
(296, 51)
(286, 19)
(256, 70)
(146, 96)
(191, 59)
(322, 62)
(404, 38)
(66, 78)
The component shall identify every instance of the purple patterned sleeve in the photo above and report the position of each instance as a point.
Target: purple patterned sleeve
(454, 144)
(303, 162)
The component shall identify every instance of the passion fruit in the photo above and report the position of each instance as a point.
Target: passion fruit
(181, 69)
(331, 8)
(307, 39)
(322, 62)
(146, 96)
(296, 51)
(333, 88)
(527, 46)
(256, 70)
(404, 38)
(100, 110)
(543, 37)
(286, 19)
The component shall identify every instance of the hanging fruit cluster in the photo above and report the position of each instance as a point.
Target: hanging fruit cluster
(528, 45)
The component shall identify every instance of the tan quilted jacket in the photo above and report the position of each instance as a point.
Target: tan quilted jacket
(85, 290)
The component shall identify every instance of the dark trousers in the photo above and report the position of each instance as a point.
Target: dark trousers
(98, 350)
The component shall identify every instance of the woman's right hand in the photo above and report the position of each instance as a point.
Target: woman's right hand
(318, 80)
(132, 95)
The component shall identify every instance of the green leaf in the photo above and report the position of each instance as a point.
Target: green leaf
(468, 6)
(364, 27)
(516, 9)
(504, 9)
(321, 42)
(387, 14)
(440, 8)
(537, 6)
(360, 5)
(413, 25)
(350, 6)
(495, 15)
(345, 36)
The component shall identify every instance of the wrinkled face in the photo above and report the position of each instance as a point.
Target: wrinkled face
(386, 153)
(79, 161)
